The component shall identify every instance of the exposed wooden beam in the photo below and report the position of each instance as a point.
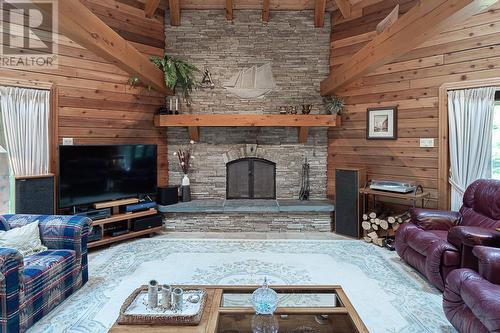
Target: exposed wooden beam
(425, 20)
(150, 7)
(82, 26)
(344, 7)
(319, 13)
(229, 10)
(175, 12)
(265, 10)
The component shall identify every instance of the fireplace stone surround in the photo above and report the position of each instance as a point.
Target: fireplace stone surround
(299, 64)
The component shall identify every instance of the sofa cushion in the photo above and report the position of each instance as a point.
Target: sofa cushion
(25, 239)
(44, 269)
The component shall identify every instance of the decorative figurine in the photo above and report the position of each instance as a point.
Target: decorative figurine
(306, 108)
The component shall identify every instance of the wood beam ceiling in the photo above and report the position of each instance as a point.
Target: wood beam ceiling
(229, 10)
(175, 12)
(425, 20)
(344, 7)
(319, 13)
(265, 10)
(82, 26)
(150, 7)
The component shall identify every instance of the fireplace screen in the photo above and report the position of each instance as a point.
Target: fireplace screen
(251, 178)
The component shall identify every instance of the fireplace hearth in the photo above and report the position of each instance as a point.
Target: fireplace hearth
(251, 178)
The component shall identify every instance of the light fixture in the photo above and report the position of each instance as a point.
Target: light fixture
(2, 150)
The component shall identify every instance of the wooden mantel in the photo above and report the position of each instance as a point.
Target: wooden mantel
(194, 121)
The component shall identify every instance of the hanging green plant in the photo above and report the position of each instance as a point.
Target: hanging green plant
(177, 73)
(334, 104)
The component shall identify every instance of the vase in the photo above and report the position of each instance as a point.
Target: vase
(186, 189)
(264, 300)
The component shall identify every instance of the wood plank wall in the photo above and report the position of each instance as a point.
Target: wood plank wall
(469, 51)
(95, 103)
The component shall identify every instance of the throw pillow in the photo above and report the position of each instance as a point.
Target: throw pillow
(3, 224)
(24, 239)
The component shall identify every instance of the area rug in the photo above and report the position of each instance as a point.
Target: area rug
(388, 295)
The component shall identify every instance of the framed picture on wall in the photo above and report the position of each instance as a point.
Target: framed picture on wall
(382, 123)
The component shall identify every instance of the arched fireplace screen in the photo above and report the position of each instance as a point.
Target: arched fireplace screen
(251, 178)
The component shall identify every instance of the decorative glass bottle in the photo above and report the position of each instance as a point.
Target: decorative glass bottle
(264, 299)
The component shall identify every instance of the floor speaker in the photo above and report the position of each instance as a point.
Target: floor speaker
(348, 208)
(35, 195)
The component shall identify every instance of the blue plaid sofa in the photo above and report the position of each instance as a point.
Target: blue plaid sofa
(32, 286)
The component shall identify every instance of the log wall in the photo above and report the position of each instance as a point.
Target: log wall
(469, 51)
(95, 104)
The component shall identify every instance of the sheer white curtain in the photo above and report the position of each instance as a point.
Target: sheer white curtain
(470, 117)
(25, 115)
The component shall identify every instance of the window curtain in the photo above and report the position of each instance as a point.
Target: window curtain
(25, 115)
(470, 121)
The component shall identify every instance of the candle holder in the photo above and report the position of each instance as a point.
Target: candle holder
(153, 294)
(166, 296)
(177, 301)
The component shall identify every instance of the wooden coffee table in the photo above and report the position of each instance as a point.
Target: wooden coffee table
(325, 309)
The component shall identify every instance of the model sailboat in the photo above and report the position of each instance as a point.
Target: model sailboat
(253, 82)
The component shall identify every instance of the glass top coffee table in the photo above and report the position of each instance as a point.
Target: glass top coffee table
(301, 309)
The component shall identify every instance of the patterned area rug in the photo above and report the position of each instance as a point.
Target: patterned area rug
(388, 295)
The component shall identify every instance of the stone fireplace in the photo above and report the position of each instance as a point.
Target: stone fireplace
(249, 178)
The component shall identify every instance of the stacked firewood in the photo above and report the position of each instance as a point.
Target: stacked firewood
(377, 227)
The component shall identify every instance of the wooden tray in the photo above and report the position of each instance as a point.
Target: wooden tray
(160, 318)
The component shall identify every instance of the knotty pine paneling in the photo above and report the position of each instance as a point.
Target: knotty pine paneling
(95, 103)
(471, 50)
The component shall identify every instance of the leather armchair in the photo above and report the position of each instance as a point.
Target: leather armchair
(471, 300)
(438, 242)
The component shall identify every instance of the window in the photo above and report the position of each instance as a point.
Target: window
(495, 159)
(5, 179)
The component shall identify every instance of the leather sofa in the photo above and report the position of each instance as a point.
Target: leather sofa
(437, 242)
(471, 300)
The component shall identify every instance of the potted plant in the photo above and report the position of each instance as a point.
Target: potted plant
(334, 104)
(177, 73)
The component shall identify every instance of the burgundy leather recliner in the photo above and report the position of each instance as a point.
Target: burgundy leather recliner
(438, 242)
(471, 300)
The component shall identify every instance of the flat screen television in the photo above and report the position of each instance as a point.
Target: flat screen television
(89, 174)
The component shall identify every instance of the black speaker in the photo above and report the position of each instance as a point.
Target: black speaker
(35, 195)
(147, 222)
(348, 208)
(167, 195)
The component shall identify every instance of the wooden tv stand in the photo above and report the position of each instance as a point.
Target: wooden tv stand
(121, 217)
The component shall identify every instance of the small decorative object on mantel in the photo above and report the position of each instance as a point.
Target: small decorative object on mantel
(305, 189)
(185, 158)
(173, 105)
(265, 300)
(282, 109)
(207, 82)
(382, 123)
(334, 104)
(136, 311)
(306, 108)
